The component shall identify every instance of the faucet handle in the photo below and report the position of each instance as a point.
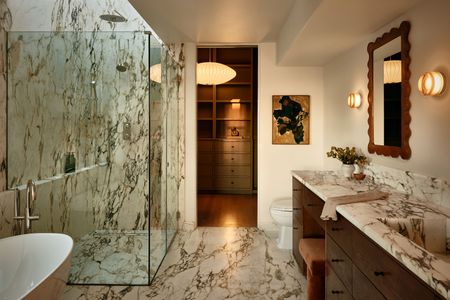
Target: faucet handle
(32, 218)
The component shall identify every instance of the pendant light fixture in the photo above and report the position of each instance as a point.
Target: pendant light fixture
(155, 73)
(212, 73)
(392, 71)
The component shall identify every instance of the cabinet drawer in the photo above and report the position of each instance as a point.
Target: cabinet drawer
(363, 289)
(205, 182)
(205, 158)
(313, 205)
(233, 183)
(233, 170)
(334, 288)
(226, 146)
(205, 170)
(205, 146)
(341, 232)
(297, 188)
(339, 262)
(233, 159)
(388, 276)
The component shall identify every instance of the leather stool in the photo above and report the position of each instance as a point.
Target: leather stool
(313, 253)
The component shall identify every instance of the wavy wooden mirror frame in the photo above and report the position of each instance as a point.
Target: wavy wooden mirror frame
(404, 150)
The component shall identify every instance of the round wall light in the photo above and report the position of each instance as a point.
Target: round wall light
(354, 100)
(431, 83)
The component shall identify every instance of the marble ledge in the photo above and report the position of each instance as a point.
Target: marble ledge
(433, 269)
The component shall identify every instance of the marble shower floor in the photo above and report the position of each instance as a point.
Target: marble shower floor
(115, 257)
(213, 263)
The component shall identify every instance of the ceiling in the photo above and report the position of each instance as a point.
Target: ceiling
(307, 32)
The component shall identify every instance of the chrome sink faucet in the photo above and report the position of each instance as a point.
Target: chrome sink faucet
(30, 198)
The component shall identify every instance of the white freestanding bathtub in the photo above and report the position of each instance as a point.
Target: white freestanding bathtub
(34, 266)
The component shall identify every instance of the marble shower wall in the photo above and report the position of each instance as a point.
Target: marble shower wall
(424, 188)
(77, 101)
(83, 186)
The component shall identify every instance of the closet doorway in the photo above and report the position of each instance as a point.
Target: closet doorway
(227, 141)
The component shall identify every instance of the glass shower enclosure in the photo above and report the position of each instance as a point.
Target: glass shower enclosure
(93, 123)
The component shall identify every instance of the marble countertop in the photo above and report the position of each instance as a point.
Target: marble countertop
(434, 269)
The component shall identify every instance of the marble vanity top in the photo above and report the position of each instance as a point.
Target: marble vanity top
(434, 269)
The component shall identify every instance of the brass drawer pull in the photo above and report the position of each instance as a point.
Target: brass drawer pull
(295, 228)
(296, 190)
(336, 229)
(232, 182)
(232, 158)
(336, 292)
(378, 273)
(337, 260)
(232, 171)
(311, 205)
(296, 208)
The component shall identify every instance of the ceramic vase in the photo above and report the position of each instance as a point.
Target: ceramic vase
(348, 170)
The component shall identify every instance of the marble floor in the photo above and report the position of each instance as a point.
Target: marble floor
(213, 263)
(116, 257)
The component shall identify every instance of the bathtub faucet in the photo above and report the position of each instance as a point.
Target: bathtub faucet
(30, 198)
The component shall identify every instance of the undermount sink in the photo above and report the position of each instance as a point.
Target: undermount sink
(429, 233)
(34, 266)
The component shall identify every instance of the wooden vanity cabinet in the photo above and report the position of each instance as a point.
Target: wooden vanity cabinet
(356, 267)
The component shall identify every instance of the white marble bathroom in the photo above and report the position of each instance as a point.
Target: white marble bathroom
(310, 162)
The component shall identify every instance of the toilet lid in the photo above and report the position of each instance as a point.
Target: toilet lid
(282, 204)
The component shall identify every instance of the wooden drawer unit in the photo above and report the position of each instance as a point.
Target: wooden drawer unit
(341, 232)
(313, 205)
(363, 289)
(224, 170)
(389, 277)
(232, 146)
(233, 159)
(205, 146)
(339, 262)
(205, 170)
(205, 183)
(227, 183)
(204, 158)
(334, 288)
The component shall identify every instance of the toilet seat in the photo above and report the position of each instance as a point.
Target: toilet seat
(282, 205)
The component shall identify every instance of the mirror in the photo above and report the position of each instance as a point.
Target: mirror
(389, 91)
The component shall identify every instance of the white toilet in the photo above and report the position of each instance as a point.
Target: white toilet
(281, 212)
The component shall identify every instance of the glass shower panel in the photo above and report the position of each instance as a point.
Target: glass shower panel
(173, 84)
(78, 126)
(158, 157)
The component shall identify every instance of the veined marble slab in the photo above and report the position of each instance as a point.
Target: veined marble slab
(432, 268)
(214, 263)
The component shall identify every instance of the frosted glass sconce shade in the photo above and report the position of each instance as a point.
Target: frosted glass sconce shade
(431, 83)
(211, 73)
(354, 100)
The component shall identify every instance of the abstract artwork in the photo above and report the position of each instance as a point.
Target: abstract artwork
(290, 120)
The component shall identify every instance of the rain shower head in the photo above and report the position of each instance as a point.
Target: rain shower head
(114, 18)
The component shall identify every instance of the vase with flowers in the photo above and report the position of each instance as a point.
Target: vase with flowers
(349, 157)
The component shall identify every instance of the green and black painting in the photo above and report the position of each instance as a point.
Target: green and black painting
(290, 120)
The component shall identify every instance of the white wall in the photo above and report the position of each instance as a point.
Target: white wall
(430, 125)
(276, 161)
(190, 204)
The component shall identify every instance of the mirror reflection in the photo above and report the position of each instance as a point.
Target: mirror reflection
(387, 91)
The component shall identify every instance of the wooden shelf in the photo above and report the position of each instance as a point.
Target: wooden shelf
(219, 119)
(231, 119)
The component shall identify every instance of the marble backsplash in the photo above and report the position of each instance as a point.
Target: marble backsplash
(423, 188)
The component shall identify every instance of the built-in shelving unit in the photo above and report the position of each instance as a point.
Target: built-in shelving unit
(225, 124)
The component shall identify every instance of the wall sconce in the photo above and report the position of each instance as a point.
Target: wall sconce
(354, 100)
(431, 83)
